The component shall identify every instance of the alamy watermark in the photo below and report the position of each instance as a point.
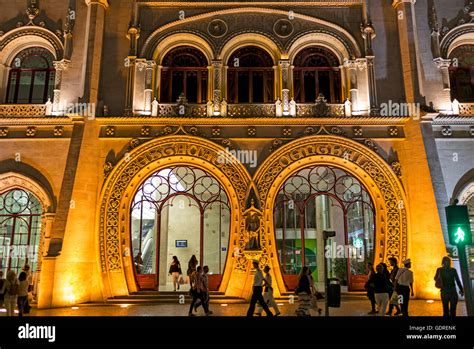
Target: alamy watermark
(19, 252)
(246, 157)
(401, 109)
(354, 251)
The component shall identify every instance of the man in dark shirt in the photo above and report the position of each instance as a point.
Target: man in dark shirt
(447, 278)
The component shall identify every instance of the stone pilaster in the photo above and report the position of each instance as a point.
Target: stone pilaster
(285, 85)
(149, 67)
(60, 67)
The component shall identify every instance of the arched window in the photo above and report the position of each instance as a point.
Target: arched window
(461, 74)
(316, 72)
(184, 71)
(179, 211)
(20, 228)
(31, 79)
(321, 198)
(250, 76)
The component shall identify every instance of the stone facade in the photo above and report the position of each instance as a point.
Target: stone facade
(110, 58)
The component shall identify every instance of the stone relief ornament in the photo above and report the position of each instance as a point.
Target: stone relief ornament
(283, 28)
(217, 28)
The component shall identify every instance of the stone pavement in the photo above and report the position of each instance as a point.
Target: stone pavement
(348, 308)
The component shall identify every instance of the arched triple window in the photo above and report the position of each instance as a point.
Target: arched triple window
(184, 72)
(179, 211)
(250, 76)
(32, 75)
(316, 71)
(20, 229)
(319, 198)
(461, 74)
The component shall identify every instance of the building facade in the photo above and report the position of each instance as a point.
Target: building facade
(134, 131)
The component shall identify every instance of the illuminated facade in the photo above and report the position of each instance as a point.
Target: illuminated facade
(132, 131)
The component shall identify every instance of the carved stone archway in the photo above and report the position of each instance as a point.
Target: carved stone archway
(130, 172)
(383, 185)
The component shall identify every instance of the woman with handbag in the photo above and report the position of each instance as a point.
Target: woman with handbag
(446, 279)
(393, 295)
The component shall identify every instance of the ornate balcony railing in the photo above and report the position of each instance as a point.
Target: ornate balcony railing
(22, 110)
(309, 110)
(250, 110)
(466, 109)
(174, 110)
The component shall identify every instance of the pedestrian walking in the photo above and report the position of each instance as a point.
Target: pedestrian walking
(404, 285)
(204, 296)
(192, 265)
(10, 290)
(258, 283)
(393, 295)
(381, 289)
(195, 288)
(175, 272)
(22, 299)
(303, 290)
(268, 294)
(369, 286)
(446, 279)
(315, 294)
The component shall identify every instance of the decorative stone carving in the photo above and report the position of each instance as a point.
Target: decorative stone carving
(397, 168)
(283, 28)
(110, 131)
(251, 131)
(30, 131)
(321, 108)
(358, 131)
(3, 131)
(287, 131)
(447, 131)
(58, 131)
(392, 131)
(145, 131)
(216, 131)
(217, 28)
(108, 167)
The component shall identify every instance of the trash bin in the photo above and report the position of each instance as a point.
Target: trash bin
(334, 293)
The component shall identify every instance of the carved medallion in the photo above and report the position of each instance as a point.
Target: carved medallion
(217, 28)
(283, 28)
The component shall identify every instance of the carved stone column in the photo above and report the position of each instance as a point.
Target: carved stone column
(149, 66)
(352, 83)
(285, 85)
(133, 35)
(60, 67)
(217, 86)
(443, 65)
(368, 34)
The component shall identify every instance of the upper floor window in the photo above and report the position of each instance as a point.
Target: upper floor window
(250, 76)
(462, 74)
(184, 71)
(31, 79)
(316, 70)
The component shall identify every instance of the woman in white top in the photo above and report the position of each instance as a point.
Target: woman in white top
(268, 294)
(10, 289)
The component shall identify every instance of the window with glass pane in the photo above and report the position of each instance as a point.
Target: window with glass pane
(181, 211)
(322, 198)
(462, 74)
(20, 228)
(184, 72)
(31, 77)
(316, 71)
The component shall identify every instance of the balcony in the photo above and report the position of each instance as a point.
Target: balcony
(466, 109)
(22, 110)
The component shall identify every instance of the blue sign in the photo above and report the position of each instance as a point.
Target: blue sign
(181, 243)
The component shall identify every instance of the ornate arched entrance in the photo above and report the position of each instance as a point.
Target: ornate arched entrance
(118, 192)
(382, 184)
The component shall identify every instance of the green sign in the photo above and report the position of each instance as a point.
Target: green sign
(459, 229)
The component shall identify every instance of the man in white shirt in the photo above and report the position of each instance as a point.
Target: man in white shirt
(258, 281)
(268, 294)
(404, 284)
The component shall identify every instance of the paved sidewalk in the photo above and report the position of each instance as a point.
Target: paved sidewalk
(348, 308)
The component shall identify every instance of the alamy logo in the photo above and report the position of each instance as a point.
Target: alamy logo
(246, 157)
(355, 251)
(400, 109)
(37, 332)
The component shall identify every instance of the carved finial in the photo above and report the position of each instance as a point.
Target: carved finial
(32, 10)
(434, 19)
(252, 202)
